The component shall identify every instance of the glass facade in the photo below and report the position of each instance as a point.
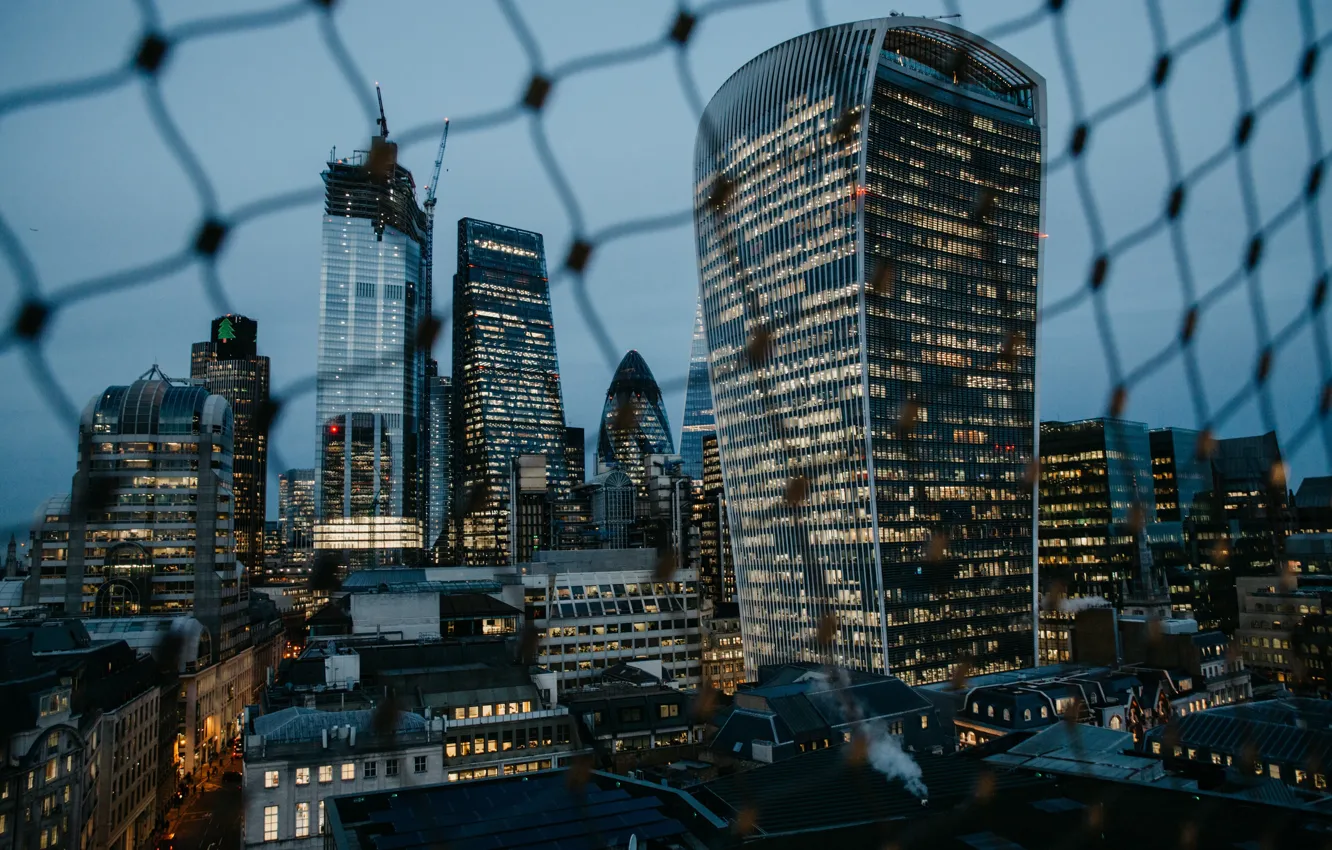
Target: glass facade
(440, 388)
(507, 374)
(296, 516)
(1093, 474)
(849, 286)
(575, 455)
(1189, 528)
(698, 419)
(370, 391)
(149, 526)
(633, 420)
(229, 365)
(716, 568)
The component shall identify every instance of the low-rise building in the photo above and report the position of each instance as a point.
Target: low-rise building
(593, 609)
(297, 758)
(631, 719)
(1272, 610)
(78, 739)
(589, 609)
(495, 715)
(1124, 697)
(1287, 740)
(796, 708)
(208, 698)
(413, 609)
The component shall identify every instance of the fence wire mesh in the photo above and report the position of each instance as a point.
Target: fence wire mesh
(1290, 106)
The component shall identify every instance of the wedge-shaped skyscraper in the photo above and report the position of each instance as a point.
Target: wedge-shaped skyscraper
(507, 376)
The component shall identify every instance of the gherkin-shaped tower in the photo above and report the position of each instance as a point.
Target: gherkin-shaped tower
(633, 419)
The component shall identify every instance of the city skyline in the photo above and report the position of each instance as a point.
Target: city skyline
(997, 454)
(1075, 373)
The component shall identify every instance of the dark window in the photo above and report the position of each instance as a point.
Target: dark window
(391, 767)
(631, 715)
(371, 769)
(419, 764)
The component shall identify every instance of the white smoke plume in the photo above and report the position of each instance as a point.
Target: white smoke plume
(885, 751)
(888, 757)
(1072, 605)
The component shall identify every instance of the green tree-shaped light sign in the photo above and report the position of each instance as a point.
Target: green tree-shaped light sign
(225, 333)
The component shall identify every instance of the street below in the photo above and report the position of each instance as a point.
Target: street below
(210, 818)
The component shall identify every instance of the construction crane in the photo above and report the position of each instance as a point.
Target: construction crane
(383, 122)
(430, 216)
(434, 179)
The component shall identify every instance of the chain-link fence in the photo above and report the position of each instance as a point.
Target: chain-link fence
(1185, 273)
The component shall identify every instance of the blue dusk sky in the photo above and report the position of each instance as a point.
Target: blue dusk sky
(90, 188)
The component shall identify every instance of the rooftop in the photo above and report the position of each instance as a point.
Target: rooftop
(827, 788)
(539, 811)
(295, 725)
(1286, 730)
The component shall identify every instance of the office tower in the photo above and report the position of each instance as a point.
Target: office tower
(1096, 499)
(633, 420)
(1313, 506)
(575, 455)
(1180, 473)
(296, 517)
(1240, 528)
(698, 419)
(440, 389)
(508, 381)
(1183, 538)
(148, 527)
(716, 569)
(870, 303)
(228, 364)
(370, 391)
(1250, 484)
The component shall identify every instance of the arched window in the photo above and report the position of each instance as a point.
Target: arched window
(1045, 712)
(1116, 722)
(989, 711)
(1026, 714)
(1008, 715)
(975, 708)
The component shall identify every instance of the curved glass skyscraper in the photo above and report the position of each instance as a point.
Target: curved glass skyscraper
(868, 209)
(633, 420)
(698, 419)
